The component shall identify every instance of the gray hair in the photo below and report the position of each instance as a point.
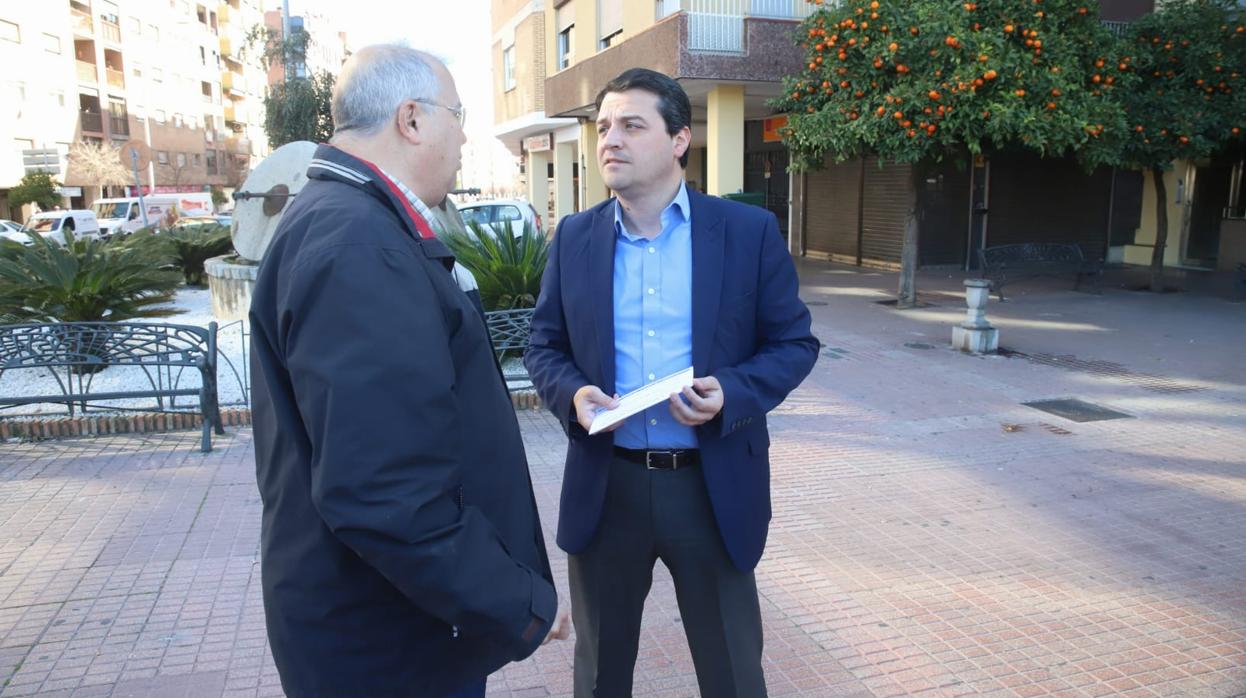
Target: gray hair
(375, 81)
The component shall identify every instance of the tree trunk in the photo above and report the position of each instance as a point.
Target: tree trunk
(907, 295)
(1161, 230)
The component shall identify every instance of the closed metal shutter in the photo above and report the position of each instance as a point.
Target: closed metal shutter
(884, 210)
(831, 211)
(1048, 200)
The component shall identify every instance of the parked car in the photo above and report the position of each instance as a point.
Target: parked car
(53, 224)
(12, 230)
(512, 212)
(192, 221)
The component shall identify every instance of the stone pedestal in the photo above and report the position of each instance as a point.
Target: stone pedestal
(976, 335)
(231, 281)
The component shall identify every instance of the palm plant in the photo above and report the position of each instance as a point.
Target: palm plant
(191, 246)
(84, 280)
(507, 267)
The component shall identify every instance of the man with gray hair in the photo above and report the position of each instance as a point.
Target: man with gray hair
(402, 553)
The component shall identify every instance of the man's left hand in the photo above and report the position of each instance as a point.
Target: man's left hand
(698, 403)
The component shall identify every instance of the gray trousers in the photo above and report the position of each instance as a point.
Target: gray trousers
(662, 514)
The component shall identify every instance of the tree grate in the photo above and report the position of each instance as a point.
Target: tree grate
(1107, 369)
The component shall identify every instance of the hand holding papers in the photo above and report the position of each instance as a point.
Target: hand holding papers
(642, 399)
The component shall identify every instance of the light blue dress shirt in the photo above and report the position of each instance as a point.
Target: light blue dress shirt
(653, 320)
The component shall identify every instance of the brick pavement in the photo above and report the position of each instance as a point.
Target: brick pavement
(932, 536)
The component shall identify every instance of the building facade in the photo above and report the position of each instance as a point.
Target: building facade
(729, 55)
(169, 74)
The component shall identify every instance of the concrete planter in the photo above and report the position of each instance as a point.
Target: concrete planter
(231, 281)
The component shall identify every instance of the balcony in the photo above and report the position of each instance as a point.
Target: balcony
(86, 72)
(232, 82)
(83, 25)
(119, 125)
(231, 115)
(1116, 28)
(718, 25)
(116, 78)
(223, 13)
(111, 31)
(92, 122)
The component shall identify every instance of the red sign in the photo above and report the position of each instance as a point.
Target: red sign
(770, 129)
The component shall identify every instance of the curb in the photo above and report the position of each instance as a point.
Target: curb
(46, 428)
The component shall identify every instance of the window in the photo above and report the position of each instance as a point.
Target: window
(508, 68)
(181, 159)
(564, 19)
(19, 91)
(10, 32)
(108, 12)
(192, 121)
(58, 97)
(162, 157)
(51, 43)
(159, 116)
(157, 74)
(135, 26)
(608, 40)
(609, 22)
(177, 120)
(198, 160)
(154, 32)
(210, 155)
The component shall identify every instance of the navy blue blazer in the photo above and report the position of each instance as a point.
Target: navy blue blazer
(750, 330)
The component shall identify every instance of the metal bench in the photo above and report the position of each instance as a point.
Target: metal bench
(75, 352)
(508, 330)
(1004, 264)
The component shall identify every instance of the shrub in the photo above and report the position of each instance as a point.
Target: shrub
(508, 268)
(84, 280)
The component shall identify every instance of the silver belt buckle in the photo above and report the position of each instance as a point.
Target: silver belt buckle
(649, 460)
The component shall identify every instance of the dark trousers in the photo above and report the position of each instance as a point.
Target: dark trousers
(662, 514)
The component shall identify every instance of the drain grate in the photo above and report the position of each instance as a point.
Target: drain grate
(1107, 369)
(918, 345)
(1076, 410)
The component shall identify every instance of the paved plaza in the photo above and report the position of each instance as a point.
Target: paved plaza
(932, 534)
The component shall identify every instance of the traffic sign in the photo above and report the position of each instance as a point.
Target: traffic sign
(135, 147)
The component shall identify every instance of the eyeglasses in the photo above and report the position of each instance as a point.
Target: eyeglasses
(460, 112)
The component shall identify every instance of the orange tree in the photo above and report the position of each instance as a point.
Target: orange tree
(922, 80)
(1191, 102)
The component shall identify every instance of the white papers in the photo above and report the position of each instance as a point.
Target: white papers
(642, 399)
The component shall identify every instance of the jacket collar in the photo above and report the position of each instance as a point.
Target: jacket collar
(335, 165)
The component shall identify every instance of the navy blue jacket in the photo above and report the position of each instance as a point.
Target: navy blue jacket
(750, 330)
(401, 548)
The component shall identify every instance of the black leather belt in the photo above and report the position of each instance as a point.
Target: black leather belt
(660, 460)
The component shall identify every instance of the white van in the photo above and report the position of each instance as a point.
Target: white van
(123, 216)
(53, 224)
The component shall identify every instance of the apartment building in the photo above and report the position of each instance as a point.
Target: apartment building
(551, 57)
(326, 48)
(167, 73)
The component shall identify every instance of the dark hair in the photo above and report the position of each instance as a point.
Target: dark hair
(673, 104)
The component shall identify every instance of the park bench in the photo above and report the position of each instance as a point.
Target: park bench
(1004, 264)
(508, 330)
(75, 352)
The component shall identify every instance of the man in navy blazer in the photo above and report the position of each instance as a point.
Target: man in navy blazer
(646, 284)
